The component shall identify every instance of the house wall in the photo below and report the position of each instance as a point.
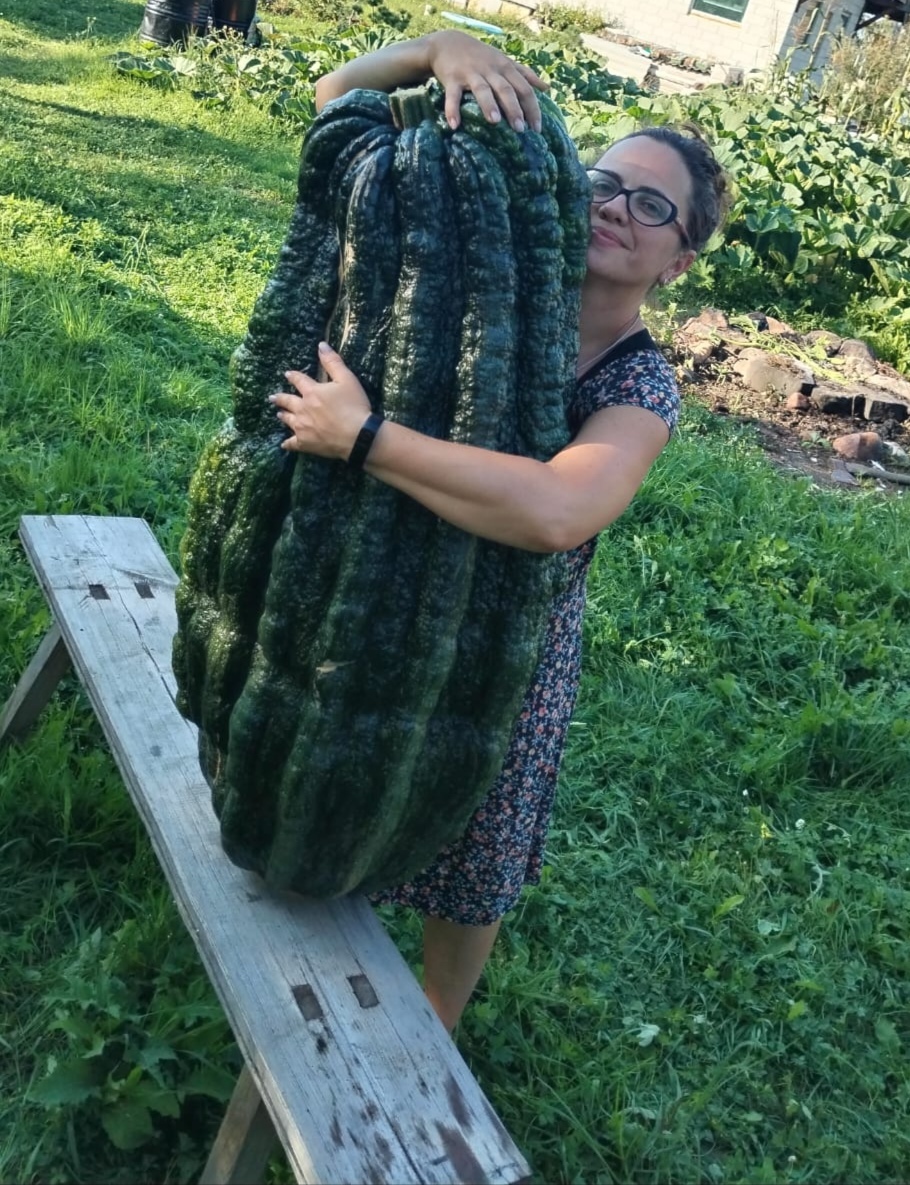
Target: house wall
(812, 34)
(750, 44)
(769, 30)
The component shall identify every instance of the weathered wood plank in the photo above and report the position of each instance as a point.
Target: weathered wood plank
(37, 685)
(245, 1139)
(359, 1077)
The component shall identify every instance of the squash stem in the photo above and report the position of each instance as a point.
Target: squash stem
(411, 107)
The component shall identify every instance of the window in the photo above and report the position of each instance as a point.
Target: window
(731, 10)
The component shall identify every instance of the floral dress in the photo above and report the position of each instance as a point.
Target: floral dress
(479, 877)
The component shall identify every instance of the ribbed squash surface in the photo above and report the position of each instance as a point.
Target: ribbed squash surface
(355, 665)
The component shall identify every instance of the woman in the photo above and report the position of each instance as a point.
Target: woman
(657, 197)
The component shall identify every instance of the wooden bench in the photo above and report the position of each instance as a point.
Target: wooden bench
(344, 1058)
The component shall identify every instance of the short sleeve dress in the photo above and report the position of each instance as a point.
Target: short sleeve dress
(479, 877)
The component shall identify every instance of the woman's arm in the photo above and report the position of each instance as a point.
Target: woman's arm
(539, 506)
(460, 63)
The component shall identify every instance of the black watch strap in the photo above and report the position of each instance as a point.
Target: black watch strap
(364, 441)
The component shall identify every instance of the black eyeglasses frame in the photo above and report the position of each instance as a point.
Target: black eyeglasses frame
(627, 193)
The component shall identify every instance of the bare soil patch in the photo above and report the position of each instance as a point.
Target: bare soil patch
(799, 443)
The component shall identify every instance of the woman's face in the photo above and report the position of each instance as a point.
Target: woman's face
(624, 251)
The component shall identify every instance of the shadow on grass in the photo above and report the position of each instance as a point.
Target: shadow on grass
(52, 20)
(143, 134)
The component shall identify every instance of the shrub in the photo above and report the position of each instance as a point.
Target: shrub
(566, 18)
(867, 76)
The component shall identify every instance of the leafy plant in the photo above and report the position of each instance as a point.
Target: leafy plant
(139, 1040)
(574, 75)
(278, 75)
(567, 18)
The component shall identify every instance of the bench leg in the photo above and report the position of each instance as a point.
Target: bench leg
(35, 688)
(245, 1139)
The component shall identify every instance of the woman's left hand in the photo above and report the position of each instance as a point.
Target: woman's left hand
(325, 418)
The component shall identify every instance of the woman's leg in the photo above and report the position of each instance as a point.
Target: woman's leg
(453, 958)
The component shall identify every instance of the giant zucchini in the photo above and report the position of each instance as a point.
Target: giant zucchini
(355, 664)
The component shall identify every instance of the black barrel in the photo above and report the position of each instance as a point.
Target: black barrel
(234, 15)
(168, 21)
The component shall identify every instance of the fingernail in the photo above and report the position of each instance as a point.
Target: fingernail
(495, 117)
(519, 125)
(537, 125)
(325, 348)
(271, 399)
(453, 123)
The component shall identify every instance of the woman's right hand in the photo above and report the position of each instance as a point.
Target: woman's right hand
(502, 87)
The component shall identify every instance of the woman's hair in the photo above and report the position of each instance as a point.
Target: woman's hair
(710, 185)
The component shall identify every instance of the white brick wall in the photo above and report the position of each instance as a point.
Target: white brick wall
(753, 43)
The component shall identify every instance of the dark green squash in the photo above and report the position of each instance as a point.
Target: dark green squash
(354, 663)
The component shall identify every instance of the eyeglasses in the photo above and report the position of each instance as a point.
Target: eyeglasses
(647, 206)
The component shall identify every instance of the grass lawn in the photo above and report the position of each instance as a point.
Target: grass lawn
(712, 982)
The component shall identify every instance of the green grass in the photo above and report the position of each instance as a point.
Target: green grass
(711, 983)
(136, 229)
